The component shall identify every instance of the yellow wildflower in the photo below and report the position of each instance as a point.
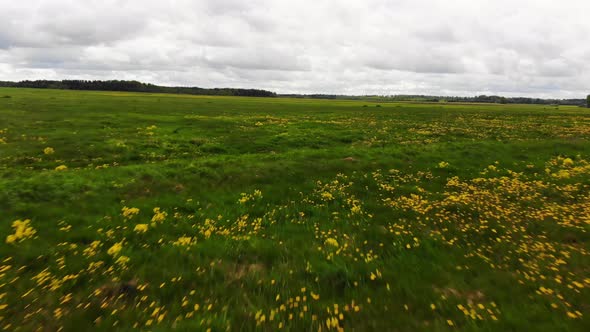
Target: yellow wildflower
(141, 228)
(331, 242)
(159, 216)
(129, 213)
(115, 249)
(562, 174)
(123, 260)
(48, 151)
(184, 241)
(327, 196)
(22, 231)
(257, 194)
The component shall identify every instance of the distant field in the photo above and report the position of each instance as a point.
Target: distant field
(124, 210)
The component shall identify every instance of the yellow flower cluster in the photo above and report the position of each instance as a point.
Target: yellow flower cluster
(141, 228)
(92, 249)
(331, 242)
(129, 213)
(48, 151)
(333, 323)
(22, 231)
(566, 168)
(115, 249)
(376, 275)
(443, 164)
(185, 241)
(327, 196)
(122, 260)
(334, 191)
(506, 204)
(257, 194)
(159, 215)
(61, 168)
(479, 311)
(562, 174)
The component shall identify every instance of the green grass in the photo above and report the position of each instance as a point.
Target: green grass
(496, 240)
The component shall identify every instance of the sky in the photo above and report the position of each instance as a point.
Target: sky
(536, 48)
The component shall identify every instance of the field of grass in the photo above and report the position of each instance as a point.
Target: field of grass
(124, 210)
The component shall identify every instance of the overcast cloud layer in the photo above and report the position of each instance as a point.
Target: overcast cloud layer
(460, 47)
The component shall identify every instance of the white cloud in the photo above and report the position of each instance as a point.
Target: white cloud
(461, 47)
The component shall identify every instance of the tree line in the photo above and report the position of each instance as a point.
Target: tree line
(452, 99)
(134, 86)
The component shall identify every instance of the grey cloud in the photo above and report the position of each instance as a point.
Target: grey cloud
(49, 24)
(258, 58)
(423, 61)
(464, 47)
(437, 34)
(557, 68)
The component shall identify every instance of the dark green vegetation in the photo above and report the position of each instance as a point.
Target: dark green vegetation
(134, 86)
(122, 210)
(450, 99)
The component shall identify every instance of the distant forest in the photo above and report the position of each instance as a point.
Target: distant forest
(447, 99)
(135, 86)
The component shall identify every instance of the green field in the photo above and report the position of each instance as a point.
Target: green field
(153, 211)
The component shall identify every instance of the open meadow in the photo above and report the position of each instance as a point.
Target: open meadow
(154, 211)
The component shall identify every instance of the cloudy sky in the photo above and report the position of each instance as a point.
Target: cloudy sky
(459, 47)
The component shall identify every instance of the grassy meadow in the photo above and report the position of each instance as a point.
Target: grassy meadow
(123, 211)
